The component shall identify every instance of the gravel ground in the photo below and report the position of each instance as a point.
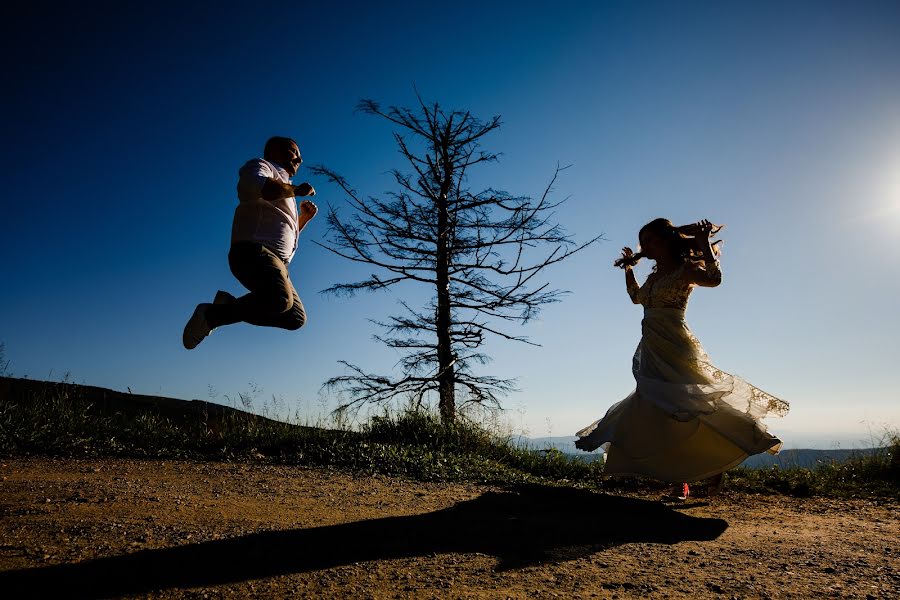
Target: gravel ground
(179, 529)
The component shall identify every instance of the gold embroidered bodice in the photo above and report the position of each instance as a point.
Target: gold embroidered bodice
(672, 290)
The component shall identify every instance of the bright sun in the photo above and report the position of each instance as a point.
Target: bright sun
(883, 205)
(892, 196)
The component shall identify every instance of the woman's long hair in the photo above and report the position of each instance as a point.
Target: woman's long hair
(680, 247)
(683, 247)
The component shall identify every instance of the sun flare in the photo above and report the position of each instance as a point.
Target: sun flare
(882, 200)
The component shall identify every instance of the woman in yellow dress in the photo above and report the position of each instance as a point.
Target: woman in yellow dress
(686, 420)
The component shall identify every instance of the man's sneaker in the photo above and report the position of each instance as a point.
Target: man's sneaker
(223, 297)
(197, 328)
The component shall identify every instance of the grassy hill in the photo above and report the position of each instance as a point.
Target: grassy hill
(65, 419)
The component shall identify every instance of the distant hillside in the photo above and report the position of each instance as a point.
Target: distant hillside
(804, 458)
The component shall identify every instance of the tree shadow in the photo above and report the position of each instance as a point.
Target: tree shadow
(522, 526)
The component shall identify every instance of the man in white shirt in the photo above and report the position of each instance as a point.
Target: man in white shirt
(263, 242)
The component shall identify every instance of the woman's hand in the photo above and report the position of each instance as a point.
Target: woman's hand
(704, 229)
(703, 240)
(627, 260)
(700, 229)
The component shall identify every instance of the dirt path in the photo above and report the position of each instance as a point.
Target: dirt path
(89, 528)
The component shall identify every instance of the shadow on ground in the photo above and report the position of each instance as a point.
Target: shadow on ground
(522, 526)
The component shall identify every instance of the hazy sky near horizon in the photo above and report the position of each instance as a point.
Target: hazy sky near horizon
(124, 127)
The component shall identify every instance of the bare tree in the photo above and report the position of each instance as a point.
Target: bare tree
(475, 251)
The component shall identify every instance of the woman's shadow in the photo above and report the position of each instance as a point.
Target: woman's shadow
(521, 526)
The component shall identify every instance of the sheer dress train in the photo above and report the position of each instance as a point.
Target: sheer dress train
(686, 420)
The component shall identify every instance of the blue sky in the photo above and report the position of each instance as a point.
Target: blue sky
(124, 128)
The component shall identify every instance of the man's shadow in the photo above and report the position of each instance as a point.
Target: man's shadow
(521, 526)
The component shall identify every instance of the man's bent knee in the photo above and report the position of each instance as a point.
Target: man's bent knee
(277, 304)
(297, 321)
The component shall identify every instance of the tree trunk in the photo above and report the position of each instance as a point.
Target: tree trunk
(446, 377)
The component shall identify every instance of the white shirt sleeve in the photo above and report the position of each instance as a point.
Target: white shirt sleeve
(252, 176)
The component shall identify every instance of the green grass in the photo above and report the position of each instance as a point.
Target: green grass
(866, 475)
(61, 422)
(413, 444)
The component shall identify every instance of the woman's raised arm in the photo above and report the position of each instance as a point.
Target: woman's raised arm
(707, 273)
(626, 262)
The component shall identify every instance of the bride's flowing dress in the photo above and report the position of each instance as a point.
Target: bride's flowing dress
(686, 420)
